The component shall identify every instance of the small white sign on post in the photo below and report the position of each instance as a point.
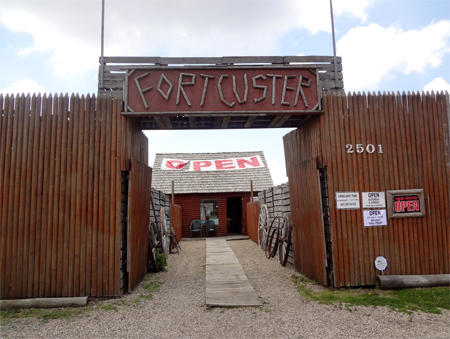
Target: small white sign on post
(373, 200)
(375, 218)
(380, 263)
(347, 200)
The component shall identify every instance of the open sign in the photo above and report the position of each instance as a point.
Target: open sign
(213, 164)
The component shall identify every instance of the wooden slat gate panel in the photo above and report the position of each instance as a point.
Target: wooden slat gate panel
(61, 164)
(252, 220)
(138, 221)
(403, 144)
(302, 152)
(176, 220)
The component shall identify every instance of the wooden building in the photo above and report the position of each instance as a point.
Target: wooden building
(212, 185)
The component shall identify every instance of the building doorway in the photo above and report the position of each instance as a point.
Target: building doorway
(234, 215)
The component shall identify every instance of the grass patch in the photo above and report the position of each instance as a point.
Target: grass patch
(108, 307)
(46, 315)
(429, 300)
(161, 261)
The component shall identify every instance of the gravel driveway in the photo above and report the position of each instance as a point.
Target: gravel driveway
(178, 309)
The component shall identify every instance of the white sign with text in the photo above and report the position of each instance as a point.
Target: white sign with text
(373, 200)
(375, 218)
(347, 200)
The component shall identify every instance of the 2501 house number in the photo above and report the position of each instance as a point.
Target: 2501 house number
(369, 148)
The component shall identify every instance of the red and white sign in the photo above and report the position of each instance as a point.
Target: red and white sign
(212, 165)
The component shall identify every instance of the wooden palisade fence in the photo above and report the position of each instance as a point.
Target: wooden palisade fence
(399, 142)
(62, 167)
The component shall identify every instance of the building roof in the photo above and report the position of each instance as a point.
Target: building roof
(219, 181)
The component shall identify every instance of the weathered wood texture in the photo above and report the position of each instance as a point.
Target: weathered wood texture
(13, 304)
(139, 202)
(176, 220)
(114, 68)
(226, 282)
(388, 282)
(278, 203)
(159, 200)
(252, 220)
(414, 137)
(302, 147)
(60, 194)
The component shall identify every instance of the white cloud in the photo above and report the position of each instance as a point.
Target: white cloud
(373, 53)
(70, 29)
(23, 86)
(278, 172)
(437, 85)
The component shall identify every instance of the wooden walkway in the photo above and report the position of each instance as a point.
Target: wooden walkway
(226, 282)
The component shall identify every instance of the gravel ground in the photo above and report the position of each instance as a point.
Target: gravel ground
(178, 309)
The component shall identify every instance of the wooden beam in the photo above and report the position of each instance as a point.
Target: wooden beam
(275, 121)
(159, 122)
(282, 120)
(250, 121)
(410, 281)
(43, 303)
(192, 122)
(217, 122)
(225, 122)
(167, 122)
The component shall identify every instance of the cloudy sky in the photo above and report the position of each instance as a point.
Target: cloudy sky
(53, 46)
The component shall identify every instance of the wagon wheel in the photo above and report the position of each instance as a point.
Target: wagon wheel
(263, 226)
(165, 232)
(174, 245)
(273, 235)
(152, 248)
(284, 244)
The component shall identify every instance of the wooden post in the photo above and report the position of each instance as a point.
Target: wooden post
(251, 190)
(173, 192)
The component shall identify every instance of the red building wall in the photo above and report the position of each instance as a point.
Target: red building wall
(190, 210)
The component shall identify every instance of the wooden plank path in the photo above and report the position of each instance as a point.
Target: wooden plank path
(226, 282)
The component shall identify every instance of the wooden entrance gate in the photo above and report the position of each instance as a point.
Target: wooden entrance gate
(370, 143)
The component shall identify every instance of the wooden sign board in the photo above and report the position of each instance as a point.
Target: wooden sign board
(229, 90)
(406, 203)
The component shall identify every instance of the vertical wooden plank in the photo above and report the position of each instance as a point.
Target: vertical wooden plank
(77, 186)
(360, 107)
(90, 196)
(33, 256)
(420, 252)
(53, 193)
(3, 227)
(353, 184)
(443, 132)
(431, 146)
(84, 197)
(329, 158)
(62, 240)
(107, 196)
(65, 219)
(7, 141)
(101, 208)
(399, 182)
(357, 244)
(95, 220)
(343, 186)
(23, 229)
(438, 177)
(413, 245)
(43, 189)
(113, 222)
(406, 155)
(120, 156)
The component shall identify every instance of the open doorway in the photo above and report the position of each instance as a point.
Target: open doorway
(234, 215)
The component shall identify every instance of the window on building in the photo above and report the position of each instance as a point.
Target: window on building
(209, 209)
